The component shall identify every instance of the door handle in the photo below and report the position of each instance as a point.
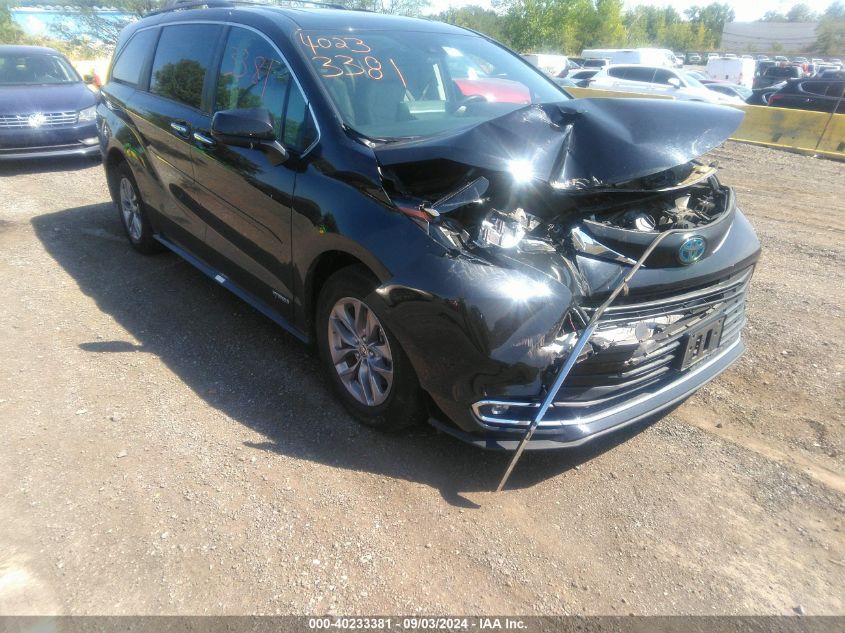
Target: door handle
(181, 128)
(203, 139)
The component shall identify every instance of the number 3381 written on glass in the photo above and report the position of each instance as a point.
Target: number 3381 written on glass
(339, 65)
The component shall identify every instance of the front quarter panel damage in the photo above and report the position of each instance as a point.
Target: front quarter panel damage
(491, 328)
(491, 315)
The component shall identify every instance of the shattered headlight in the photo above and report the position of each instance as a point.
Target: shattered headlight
(88, 114)
(505, 230)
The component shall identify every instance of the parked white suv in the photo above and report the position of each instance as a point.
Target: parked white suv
(677, 84)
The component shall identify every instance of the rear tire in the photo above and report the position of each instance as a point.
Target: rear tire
(133, 211)
(368, 370)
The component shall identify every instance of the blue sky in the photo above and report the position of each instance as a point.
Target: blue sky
(746, 11)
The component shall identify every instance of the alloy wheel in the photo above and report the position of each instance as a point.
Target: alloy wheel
(360, 351)
(130, 209)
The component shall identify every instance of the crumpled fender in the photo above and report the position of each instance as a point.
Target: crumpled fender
(489, 325)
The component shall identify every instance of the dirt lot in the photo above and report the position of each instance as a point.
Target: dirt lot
(168, 450)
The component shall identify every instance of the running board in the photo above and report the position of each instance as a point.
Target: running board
(235, 289)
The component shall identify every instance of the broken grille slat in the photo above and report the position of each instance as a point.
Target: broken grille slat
(615, 372)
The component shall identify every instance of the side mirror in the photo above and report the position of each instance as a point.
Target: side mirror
(89, 79)
(674, 82)
(248, 127)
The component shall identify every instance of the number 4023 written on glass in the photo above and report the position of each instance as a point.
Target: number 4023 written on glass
(342, 55)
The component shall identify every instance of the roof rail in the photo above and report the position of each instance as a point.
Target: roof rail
(177, 5)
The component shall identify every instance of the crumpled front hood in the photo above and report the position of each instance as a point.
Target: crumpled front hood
(582, 143)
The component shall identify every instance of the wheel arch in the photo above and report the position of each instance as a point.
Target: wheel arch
(111, 160)
(324, 266)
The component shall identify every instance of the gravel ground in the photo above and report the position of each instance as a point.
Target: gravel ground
(167, 450)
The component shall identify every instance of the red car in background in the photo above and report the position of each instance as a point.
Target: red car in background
(473, 81)
(494, 90)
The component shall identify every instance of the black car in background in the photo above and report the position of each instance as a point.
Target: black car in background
(443, 239)
(831, 73)
(777, 74)
(760, 96)
(595, 63)
(581, 78)
(45, 107)
(730, 90)
(817, 94)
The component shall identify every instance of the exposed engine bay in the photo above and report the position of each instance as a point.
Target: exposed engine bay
(495, 210)
(598, 177)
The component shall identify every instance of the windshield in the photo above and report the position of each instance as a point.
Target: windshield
(786, 71)
(692, 82)
(388, 85)
(744, 92)
(35, 69)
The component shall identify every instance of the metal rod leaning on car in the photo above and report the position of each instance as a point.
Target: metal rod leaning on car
(576, 351)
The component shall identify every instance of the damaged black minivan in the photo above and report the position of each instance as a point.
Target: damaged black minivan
(466, 244)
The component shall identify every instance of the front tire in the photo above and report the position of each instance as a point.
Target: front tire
(367, 368)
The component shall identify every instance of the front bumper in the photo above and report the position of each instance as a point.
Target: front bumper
(76, 140)
(622, 380)
(575, 430)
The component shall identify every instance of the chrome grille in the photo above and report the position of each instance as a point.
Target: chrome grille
(50, 120)
(638, 345)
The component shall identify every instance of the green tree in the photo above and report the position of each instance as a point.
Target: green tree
(830, 33)
(553, 26)
(392, 7)
(606, 27)
(476, 18)
(92, 25)
(801, 13)
(649, 25)
(773, 16)
(680, 36)
(714, 17)
(664, 27)
(836, 11)
(10, 33)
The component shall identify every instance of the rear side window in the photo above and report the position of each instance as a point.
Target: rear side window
(663, 77)
(643, 73)
(132, 59)
(835, 90)
(815, 87)
(181, 62)
(253, 75)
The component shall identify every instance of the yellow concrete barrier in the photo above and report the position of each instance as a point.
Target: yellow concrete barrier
(803, 131)
(782, 127)
(833, 139)
(594, 93)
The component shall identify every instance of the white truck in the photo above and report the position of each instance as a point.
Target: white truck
(645, 56)
(550, 64)
(735, 70)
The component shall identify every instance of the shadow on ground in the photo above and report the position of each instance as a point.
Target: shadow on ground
(33, 165)
(254, 372)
